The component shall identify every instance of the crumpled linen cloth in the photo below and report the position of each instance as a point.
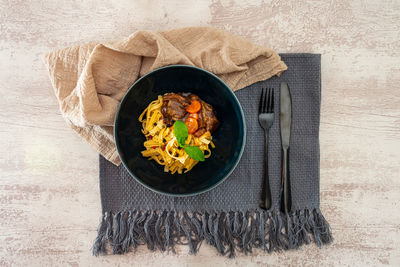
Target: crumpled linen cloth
(90, 80)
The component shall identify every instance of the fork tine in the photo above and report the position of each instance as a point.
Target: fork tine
(260, 106)
(267, 97)
(270, 100)
(265, 100)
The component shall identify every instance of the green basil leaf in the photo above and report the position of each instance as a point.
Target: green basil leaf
(181, 132)
(194, 152)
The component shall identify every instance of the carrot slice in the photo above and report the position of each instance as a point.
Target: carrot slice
(192, 125)
(194, 107)
(194, 116)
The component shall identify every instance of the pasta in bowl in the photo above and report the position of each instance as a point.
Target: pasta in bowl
(161, 142)
(172, 119)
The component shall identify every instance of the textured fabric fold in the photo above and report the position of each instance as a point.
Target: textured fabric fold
(90, 80)
(228, 217)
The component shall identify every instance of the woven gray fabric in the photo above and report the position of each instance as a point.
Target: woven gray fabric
(234, 203)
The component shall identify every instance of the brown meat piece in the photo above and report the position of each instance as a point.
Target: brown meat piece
(200, 132)
(174, 108)
(201, 120)
(178, 97)
(208, 116)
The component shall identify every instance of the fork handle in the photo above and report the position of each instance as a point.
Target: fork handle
(286, 199)
(265, 200)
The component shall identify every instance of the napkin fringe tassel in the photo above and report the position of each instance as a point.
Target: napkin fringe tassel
(228, 232)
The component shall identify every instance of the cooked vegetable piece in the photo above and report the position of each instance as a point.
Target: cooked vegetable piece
(194, 107)
(192, 125)
(194, 116)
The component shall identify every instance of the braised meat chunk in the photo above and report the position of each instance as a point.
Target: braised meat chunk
(174, 107)
(208, 116)
(196, 113)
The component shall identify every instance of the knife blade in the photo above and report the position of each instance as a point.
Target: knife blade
(285, 118)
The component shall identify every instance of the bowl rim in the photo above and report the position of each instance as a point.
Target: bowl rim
(244, 137)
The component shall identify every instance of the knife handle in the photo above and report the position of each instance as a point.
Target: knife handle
(286, 199)
(265, 199)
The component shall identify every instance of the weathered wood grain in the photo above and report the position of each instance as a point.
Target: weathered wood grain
(49, 198)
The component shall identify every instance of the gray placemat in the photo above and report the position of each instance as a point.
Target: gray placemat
(228, 217)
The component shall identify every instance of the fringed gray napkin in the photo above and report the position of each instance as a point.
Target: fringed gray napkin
(228, 217)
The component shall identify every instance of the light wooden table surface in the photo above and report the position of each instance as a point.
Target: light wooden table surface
(49, 196)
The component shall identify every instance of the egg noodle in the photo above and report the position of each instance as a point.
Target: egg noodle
(161, 144)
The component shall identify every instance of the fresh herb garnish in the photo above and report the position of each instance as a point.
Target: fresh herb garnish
(181, 133)
(194, 152)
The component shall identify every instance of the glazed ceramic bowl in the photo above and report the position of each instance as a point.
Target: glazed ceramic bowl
(229, 138)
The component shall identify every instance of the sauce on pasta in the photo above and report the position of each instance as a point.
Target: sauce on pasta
(161, 144)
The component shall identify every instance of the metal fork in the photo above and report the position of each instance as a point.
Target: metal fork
(266, 119)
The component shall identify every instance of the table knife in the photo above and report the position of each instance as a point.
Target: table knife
(285, 117)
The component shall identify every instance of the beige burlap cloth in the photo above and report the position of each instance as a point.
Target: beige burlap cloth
(90, 80)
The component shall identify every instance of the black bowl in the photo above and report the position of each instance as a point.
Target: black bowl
(229, 138)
